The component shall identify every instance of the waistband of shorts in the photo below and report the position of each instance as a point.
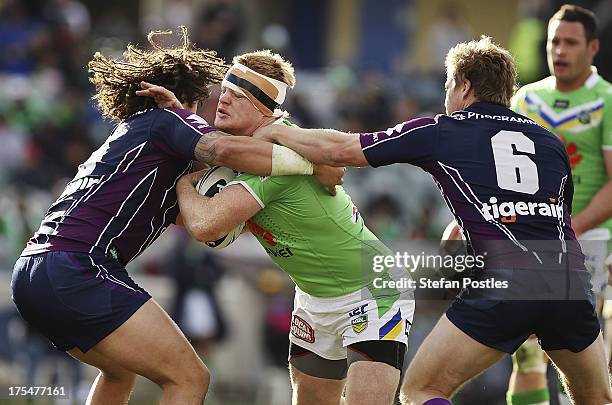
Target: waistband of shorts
(337, 299)
(537, 261)
(112, 254)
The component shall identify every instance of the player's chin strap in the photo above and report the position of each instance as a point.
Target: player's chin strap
(266, 94)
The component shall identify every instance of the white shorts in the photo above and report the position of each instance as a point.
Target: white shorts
(326, 326)
(594, 245)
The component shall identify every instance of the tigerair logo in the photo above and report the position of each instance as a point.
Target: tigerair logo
(509, 211)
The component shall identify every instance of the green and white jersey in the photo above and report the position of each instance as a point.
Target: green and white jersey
(320, 240)
(583, 121)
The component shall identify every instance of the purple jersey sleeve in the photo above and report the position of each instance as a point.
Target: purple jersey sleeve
(413, 141)
(177, 132)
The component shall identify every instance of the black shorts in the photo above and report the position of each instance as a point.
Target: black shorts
(74, 299)
(505, 324)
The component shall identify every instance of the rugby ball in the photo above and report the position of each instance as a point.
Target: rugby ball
(211, 183)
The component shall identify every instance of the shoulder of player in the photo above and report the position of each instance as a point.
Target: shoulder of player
(546, 84)
(276, 180)
(603, 89)
(185, 117)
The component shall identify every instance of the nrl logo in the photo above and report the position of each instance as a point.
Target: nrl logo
(360, 323)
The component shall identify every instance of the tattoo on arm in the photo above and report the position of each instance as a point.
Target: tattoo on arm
(205, 150)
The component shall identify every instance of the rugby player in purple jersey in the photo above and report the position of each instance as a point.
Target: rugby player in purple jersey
(70, 282)
(507, 181)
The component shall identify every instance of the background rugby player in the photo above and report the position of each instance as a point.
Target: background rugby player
(574, 103)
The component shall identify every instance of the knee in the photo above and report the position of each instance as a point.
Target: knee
(197, 376)
(204, 377)
(376, 382)
(408, 395)
(123, 377)
(413, 393)
(410, 387)
(192, 377)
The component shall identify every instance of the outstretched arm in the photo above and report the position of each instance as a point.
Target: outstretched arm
(321, 146)
(413, 142)
(241, 153)
(244, 153)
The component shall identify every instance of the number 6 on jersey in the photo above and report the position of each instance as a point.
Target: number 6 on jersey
(515, 172)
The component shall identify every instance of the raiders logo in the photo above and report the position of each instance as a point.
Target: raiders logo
(584, 117)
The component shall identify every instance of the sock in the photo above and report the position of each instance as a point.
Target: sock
(437, 401)
(536, 397)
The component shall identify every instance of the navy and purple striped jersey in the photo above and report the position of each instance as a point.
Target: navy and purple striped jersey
(123, 197)
(503, 176)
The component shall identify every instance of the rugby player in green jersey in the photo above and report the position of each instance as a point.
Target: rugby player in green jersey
(576, 104)
(347, 333)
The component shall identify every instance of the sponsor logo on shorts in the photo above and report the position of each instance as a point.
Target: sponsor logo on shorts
(360, 310)
(407, 327)
(360, 323)
(302, 330)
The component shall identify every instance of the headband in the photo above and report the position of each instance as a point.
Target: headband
(266, 93)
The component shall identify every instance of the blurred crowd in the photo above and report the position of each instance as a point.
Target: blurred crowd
(48, 125)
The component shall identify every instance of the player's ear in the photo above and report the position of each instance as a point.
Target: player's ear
(466, 87)
(594, 46)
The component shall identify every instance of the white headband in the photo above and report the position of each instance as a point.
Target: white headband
(266, 93)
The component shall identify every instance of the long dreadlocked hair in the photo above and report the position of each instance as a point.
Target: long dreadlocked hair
(186, 71)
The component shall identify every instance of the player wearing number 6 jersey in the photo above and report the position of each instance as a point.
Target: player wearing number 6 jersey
(507, 181)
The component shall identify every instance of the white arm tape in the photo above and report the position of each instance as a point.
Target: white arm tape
(286, 162)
